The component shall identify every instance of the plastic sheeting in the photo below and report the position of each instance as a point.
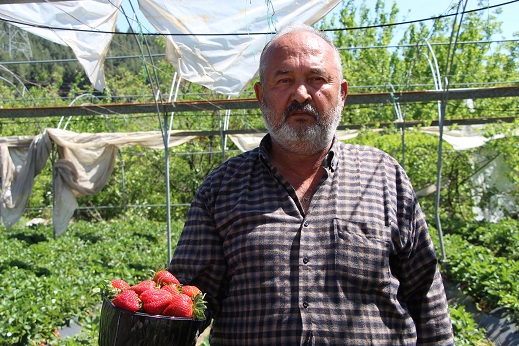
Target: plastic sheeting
(214, 44)
(463, 137)
(21, 159)
(85, 163)
(204, 53)
(246, 142)
(492, 190)
(89, 46)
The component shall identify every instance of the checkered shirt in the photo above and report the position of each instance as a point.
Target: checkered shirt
(358, 268)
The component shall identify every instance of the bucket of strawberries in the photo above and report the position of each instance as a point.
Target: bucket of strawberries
(156, 311)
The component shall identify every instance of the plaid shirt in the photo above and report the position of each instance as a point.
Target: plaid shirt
(358, 268)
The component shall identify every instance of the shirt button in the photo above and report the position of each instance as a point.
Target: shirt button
(306, 223)
(305, 260)
(305, 305)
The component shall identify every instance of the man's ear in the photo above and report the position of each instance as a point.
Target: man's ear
(344, 90)
(258, 89)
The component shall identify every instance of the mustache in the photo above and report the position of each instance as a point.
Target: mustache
(301, 107)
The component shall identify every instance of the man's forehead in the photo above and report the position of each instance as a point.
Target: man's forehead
(286, 48)
(298, 40)
(299, 50)
(286, 59)
(308, 69)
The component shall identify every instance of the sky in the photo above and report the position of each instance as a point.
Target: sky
(421, 9)
(409, 10)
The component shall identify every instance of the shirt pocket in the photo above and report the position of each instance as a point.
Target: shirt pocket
(362, 254)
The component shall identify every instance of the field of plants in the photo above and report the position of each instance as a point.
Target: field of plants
(49, 283)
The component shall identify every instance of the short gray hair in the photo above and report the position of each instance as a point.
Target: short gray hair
(295, 27)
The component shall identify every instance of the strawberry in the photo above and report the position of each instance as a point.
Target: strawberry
(127, 300)
(155, 301)
(119, 284)
(185, 306)
(164, 277)
(143, 286)
(191, 291)
(173, 289)
(180, 306)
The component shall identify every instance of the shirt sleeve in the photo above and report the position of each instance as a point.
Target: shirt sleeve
(421, 284)
(198, 258)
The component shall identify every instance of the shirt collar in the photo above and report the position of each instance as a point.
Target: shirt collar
(265, 147)
(329, 162)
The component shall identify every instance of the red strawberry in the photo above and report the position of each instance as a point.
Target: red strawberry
(191, 291)
(173, 289)
(180, 306)
(155, 301)
(163, 277)
(120, 284)
(127, 300)
(143, 286)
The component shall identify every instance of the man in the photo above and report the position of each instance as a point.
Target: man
(306, 240)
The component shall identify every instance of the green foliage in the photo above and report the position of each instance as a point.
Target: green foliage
(491, 280)
(501, 239)
(47, 282)
(466, 331)
(368, 68)
(137, 185)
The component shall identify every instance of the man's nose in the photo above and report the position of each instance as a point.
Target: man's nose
(301, 93)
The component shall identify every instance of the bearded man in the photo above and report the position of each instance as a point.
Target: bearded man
(306, 240)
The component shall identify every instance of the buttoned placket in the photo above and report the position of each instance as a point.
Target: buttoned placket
(305, 274)
(306, 264)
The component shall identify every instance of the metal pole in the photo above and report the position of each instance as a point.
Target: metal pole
(438, 181)
(167, 127)
(168, 198)
(441, 117)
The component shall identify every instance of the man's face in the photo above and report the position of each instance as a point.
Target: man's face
(302, 94)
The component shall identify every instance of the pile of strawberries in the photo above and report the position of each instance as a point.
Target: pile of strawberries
(164, 295)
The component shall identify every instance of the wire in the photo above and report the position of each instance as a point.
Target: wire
(423, 20)
(258, 33)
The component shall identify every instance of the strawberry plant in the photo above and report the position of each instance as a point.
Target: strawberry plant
(47, 283)
(501, 238)
(466, 331)
(489, 279)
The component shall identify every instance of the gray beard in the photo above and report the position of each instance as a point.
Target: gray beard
(304, 139)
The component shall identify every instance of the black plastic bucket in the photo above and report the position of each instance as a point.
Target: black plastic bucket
(124, 328)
